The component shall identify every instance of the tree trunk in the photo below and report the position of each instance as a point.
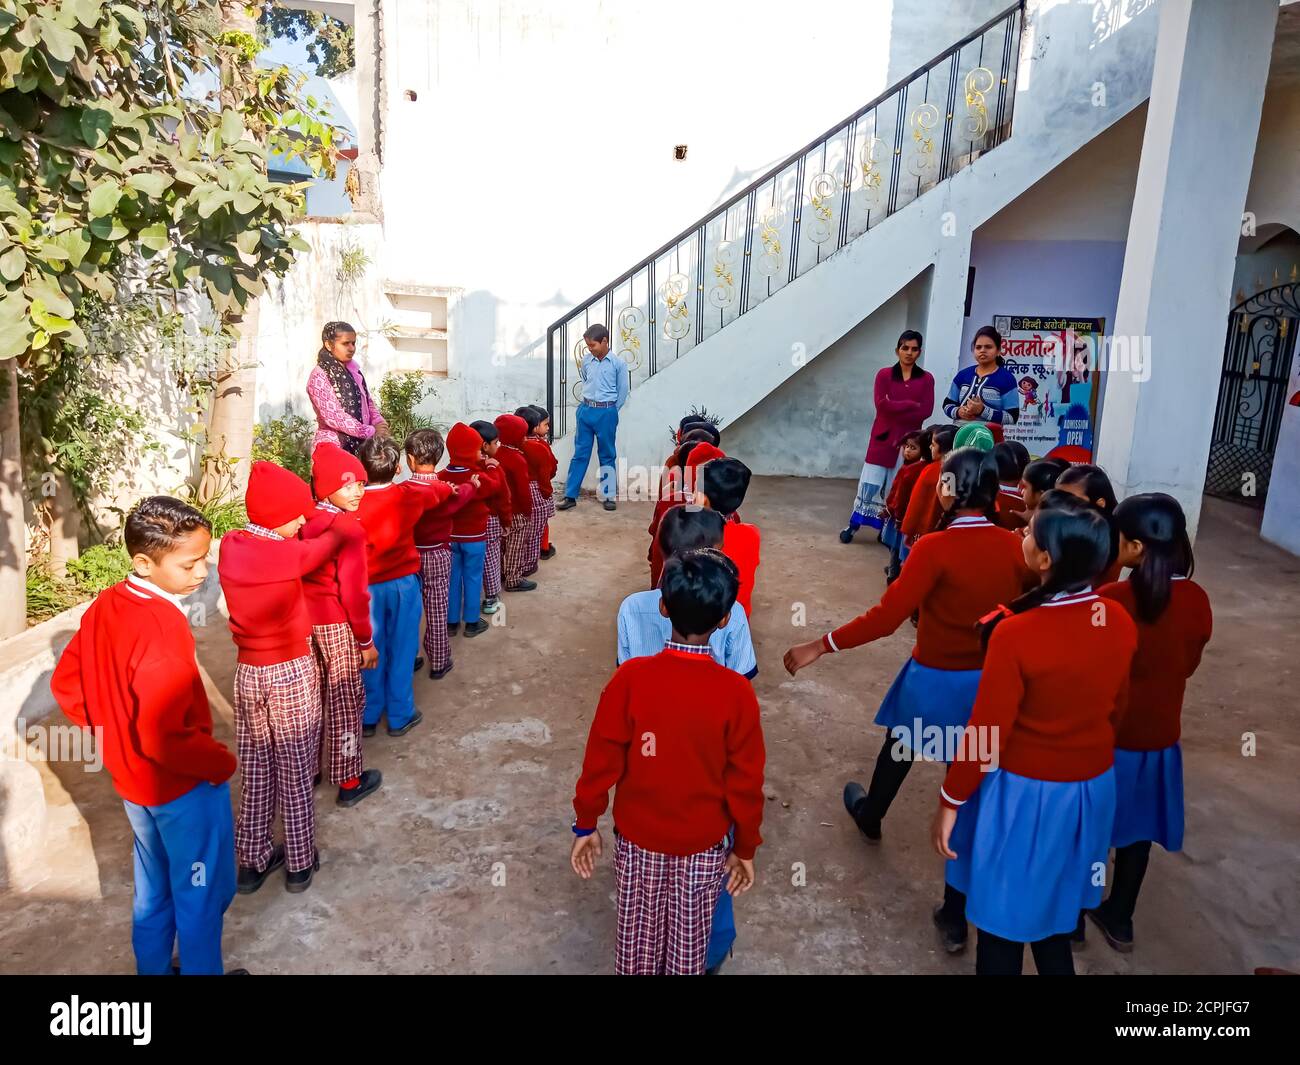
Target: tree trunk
(230, 422)
(230, 425)
(65, 527)
(13, 529)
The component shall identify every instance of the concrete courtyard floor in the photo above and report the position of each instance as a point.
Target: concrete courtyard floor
(460, 863)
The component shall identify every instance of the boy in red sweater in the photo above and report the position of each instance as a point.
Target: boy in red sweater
(541, 469)
(338, 602)
(389, 513)
(685, 773)
(515, 548)
(722, 485)
(277, 684)
(470, 529)
(130, 675)
(433, 541)
(548, 466)
(496, 493)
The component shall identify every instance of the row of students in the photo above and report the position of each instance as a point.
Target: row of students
(689, 801)
(1058, 713)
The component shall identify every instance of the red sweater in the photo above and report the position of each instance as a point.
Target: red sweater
(1053, 689)
(953, 578)
(262, 582)
(901, 492)
(337, 591)
(434, 527)
(515, 467)
(740, 543)
(542, 464)
(469, 523)
(1011, 507)
(923, 508)
(130, 672)
(389, 513)
(685, 769)
(1168, 653)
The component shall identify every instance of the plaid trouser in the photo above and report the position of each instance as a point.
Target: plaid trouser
(343, 695)
(277, 736)
(536, 526)
(435, 573)
(519, 548)
(492, 559)
(665, 908)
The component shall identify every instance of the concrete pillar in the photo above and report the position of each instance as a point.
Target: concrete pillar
(1207, 89)
(945, 314)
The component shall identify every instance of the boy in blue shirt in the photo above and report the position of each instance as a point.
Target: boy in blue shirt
(644, 629)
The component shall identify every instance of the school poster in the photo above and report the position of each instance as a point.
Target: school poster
(1053, 362)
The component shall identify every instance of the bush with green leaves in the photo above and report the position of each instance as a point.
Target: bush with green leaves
(399, 396)
(99, 567)
(287, 442)
(47, 594)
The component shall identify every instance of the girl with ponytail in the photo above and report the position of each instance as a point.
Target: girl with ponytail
(1090, 483)
(1174, 623)
(952, 577)
(1033, 778)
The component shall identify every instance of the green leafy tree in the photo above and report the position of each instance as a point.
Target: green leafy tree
(115, 164)
(331, 44)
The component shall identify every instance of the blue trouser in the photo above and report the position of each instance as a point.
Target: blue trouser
(724, 930)
(184, 880)
(465, 585)
(395, 608)
(600, 424)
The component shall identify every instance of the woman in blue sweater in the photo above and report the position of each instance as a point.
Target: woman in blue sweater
(986, 391)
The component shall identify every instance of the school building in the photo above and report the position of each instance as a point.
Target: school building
(1126, 167)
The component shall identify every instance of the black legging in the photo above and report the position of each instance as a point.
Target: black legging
(886, 779)
(1130, 868)
(995, 956)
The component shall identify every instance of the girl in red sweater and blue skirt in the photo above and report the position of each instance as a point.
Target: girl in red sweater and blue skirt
(1033, 778)
(952, 578)
(1174, 623)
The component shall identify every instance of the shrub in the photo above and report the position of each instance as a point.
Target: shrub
(99, 567)
(286, 441)
(399, 396)
(47, 594)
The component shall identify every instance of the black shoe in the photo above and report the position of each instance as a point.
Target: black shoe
(567, 503)
(238, 972)
(951, 935)
(416, 718)
(301, 880)
(478, 627)
(315, 782)
(419, 664)
(548, 553)
(438, 674)
(249, 879)
(854, 796)
(453, 630)
(370, 781)
(1118, 935)
(368, 730)
(530, 572)
(609, 504)
(1079, 937)
(846, 535)
(525, 585)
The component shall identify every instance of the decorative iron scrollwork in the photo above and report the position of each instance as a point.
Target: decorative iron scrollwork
(677, 317)
(872, 177)
(822, 190)
(921, 162)
(630, 321)
(723, 292)
(769, 232)
(978, 82)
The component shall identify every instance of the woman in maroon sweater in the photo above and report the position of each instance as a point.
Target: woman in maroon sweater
(1033, 777)
(904, 398)
(1174, 623)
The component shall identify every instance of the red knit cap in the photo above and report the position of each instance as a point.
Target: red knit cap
(464, 445)
(275, 496)
(332, 468)
(703, 452)
(512, 428)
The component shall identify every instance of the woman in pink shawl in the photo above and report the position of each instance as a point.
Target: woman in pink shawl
(345, 413)
(904, 395)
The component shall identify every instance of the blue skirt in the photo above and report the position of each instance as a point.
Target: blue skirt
(1032, 853)
(890, 533)
(922, 696)
(1149, 797)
